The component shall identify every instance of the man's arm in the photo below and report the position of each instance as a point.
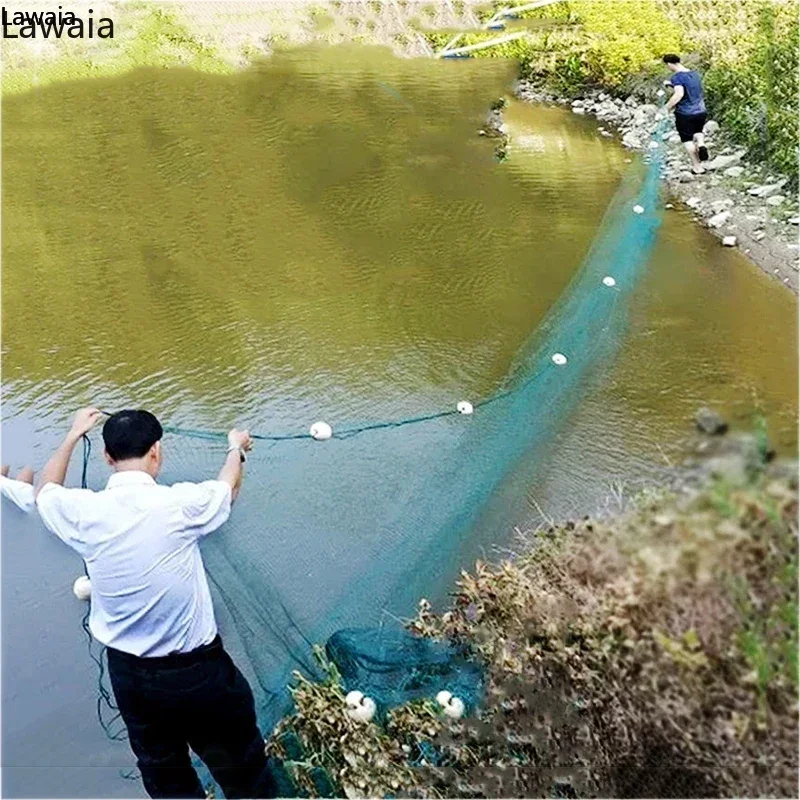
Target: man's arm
(232, 470)
(677, 96)
(55, 470)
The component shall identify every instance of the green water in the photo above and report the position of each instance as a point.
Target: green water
(328, 222)
(326, 236)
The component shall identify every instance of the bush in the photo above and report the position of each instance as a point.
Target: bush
(652, 655)
(746, 49)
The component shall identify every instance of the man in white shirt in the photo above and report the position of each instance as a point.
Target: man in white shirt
(18, 490)
(175, 685)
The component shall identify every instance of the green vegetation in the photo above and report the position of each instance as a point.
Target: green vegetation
(747, 50)
(651, 654)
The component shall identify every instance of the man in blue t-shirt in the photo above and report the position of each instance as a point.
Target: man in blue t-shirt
(690, 109)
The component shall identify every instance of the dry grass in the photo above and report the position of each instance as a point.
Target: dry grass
(649, 654)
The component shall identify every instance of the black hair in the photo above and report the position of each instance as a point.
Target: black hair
(671, 58)
(130, 434)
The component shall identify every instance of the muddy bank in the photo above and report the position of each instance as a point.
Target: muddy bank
(743, 204)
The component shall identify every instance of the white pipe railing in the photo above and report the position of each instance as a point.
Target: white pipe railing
(503, 13)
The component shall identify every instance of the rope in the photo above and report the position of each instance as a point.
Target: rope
(104, 697)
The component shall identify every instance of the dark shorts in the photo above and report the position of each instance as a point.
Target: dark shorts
(689, 124)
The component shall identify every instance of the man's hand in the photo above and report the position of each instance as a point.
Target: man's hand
(242, 439)
(84, 421)
(231, 472)
(55, 470)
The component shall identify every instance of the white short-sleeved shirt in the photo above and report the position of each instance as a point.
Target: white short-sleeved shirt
(18, 492)
(140, 542)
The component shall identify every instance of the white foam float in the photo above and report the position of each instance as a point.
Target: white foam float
(609, 281)
(452, 706)
(559, 359)
(359, 707)
(464, 407)
(637, 209)
(321, 431)
(82, 588)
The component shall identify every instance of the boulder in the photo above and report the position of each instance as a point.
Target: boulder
(693, 202)
(711, 127)
(630, 139)
(767, 189)
(710, 421)
(734, 172)
(719, 219)
(723, 161)
(729, 241)
(775, 200)
(720, 205)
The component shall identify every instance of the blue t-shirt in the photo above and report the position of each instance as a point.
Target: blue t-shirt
(692, 101)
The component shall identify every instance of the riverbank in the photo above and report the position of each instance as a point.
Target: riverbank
(741, 203)
(648, 652)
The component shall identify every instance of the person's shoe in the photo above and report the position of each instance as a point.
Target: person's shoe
(702, 152)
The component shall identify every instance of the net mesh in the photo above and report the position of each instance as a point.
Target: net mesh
(342, 538)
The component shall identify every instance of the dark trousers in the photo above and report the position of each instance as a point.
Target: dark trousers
(198, 700)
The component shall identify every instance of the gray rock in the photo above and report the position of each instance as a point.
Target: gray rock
(578, 110)
(734, 172)
(720, 205)
(719, 219)
(723, 161)
(630, 139)
(729, 241)
(794, 220)
(693, 202)
(767, 189)
(711, 127)
(775, 200)
(710, 421)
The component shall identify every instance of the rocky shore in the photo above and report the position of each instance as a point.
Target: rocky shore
(743, 204)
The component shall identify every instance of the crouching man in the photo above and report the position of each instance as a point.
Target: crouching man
(175, 686)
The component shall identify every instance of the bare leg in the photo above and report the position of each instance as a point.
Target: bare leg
(26, 475)
(700, 144)
(691, 149)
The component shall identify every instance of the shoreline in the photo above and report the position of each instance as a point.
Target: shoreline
(735, 198)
